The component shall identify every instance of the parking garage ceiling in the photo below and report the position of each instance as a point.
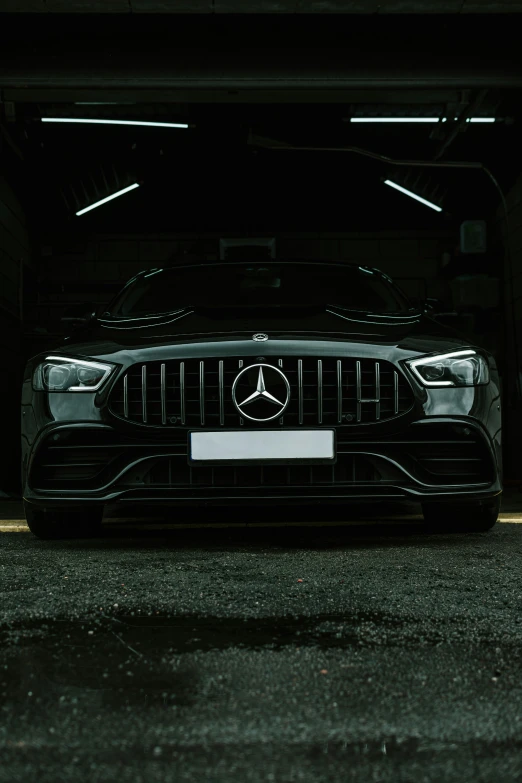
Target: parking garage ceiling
(231, 167)
(263, 6)
(246, 85)
(286, 55)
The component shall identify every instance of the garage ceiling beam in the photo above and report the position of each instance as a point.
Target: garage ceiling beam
(356, 7)
(47, 82)
(131, 95)
(232, 54)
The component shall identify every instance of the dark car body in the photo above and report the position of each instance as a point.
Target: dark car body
(346, 373)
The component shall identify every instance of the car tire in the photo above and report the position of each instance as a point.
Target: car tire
(47, 523)
(475, 517)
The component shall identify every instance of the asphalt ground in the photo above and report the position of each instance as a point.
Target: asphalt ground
(325, 646)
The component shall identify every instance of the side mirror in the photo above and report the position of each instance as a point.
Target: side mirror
(432, 306)
(78, 315)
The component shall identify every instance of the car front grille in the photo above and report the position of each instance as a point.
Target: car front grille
(198, 393)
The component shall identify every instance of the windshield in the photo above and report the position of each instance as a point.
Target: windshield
(259, 285)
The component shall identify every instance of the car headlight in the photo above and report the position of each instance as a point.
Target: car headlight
(59, 374)
(461, 368)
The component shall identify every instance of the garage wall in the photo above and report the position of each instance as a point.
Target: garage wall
(14, 250)
(512, 236)
(15, 261)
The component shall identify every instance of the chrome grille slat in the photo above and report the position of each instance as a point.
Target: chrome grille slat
(144, 392)
(339, 391)
(221, 395)
(325, 392)
(377, 391)
(163, 395)
(359, 389)
(202, 393)
(126, 396)
(300, 388)
(320, 391)
(182, 390)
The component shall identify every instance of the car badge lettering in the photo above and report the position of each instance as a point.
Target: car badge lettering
(260, 337)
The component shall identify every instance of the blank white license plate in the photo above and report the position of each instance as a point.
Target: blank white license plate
(261, 445)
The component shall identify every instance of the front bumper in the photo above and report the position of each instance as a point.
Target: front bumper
(438, 458)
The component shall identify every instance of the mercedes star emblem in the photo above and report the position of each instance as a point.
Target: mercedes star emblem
(261, 404)
(260, 337)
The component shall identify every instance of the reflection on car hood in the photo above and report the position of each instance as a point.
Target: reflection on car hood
(415, 332)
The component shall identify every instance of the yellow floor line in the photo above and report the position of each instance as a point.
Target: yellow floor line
(11, 526)
(18, 526)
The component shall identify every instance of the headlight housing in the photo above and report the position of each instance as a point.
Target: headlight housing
(61, 374)
(460, 368)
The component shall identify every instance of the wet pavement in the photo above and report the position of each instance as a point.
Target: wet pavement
(368, 652)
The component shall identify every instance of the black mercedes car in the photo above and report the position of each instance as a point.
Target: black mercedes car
(269, 382)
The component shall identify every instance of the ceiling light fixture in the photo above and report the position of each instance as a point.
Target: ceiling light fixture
(412, 195)
(109, 198)
(117, 122)
(394, 119)
(417, 119)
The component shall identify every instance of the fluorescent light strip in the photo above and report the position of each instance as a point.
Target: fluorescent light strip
(117, 122)
(417, 119)
(394, 119)
(473, 119)
(412, 195)
(109, 198)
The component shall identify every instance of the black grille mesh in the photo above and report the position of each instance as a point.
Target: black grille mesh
(89, 458)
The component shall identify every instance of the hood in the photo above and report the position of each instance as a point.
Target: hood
(409, 331)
